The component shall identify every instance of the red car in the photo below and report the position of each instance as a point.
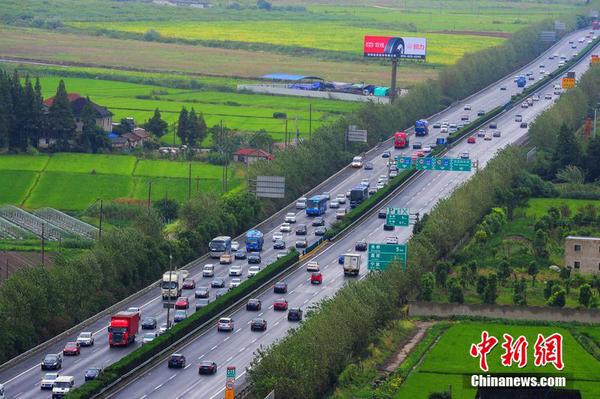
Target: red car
(189, 284)
(182, 303)
(471, 140)
(72, 349)
(316, 278)
(280, 304)
(418, 154)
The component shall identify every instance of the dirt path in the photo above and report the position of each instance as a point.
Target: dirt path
(398, 357)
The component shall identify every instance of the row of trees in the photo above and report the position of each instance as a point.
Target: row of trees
(191, 127)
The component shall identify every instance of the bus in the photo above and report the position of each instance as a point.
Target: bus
(400, 140)
(358, 194)
(316, 205)
(219, 246)
(254, 240)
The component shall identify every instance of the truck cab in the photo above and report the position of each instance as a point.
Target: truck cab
(172, 283)
(123, 328)
(62, 386)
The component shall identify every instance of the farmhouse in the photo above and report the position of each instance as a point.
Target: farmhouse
(103, 116)
(250, 155)
(582, 254)
(136, 138)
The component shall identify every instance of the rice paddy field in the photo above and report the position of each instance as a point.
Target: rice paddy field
(448, 362)
(72, 182)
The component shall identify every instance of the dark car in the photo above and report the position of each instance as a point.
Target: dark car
(149, 323)
(360, 245)
(417, 145)
(254, 258)
(301, 230)
(294, 314)
(382, 214)
(241, 254)
(388, 227)
(72, 349)
(385, 154)
(493, 125)
(92, 373)
(524, 125)
(481, 112)
(202, 302)
(320, 231)
(318, 221)
(341, 260)
(177, 360)
(369, 166)
(207, 367)
(301, 243)
(279, 244)
(280, 287)
(254, 304)
(217, 283)
(202, 292)
(52, 362)
(258, 325)
(189, 284)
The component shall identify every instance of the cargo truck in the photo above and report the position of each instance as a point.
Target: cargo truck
(172, 283)
(521, 81)
(351, 264)
(123, 328)
(421, 127)
(62, 386)
(254, 240)
(400, 140)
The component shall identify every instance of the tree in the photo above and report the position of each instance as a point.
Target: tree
(156, 125)
(513, 198)
(585, 295)
(539, 244)
(481, 284)
(504, 271)
(491, 290)
(261, 140)
(548, 288)
(592, 159)
(567, 150)
(442, 270)
(466, 277)
(191, 128)
(455, 291)
(167, 208)
(426, 288)
(519, 292)
(558, 297)
(182, 126)
(533, 270)
(60, 116)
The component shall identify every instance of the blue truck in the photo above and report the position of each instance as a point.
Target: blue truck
(421, 127)
(254, 240)
(521, 81)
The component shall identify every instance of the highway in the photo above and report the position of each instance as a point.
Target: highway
(22, 380)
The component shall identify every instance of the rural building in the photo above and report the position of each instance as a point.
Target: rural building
(582, 254)
(250, 155)
(103, 116)
(136, 138)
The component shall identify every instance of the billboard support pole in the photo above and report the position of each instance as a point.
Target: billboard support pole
(393, 82)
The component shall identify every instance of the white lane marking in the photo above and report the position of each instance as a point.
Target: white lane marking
(186, 367)
(201, 357)
(143, 397)
(214, 347)
(158, 387)
(253, 341)
(238, 330)
(292, 291)
(171, 377)
(261, 313)
(243, 349)
(228, 359)
(305, 301)
(226, 339)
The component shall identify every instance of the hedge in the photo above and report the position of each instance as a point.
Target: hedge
(179, 330)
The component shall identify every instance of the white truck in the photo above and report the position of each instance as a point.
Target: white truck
(351, 264)
(172, 283)
(62, 386)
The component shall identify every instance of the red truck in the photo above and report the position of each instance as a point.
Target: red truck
(400, 140)
(123, 328)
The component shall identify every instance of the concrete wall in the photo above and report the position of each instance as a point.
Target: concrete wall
(504, 312)
(280, 89)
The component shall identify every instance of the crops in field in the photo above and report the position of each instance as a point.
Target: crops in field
(72, 182)
(449, 363)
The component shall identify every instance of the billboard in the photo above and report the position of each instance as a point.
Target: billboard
(395, 47)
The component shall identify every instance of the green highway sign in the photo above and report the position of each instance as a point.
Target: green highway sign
(433, 163)
(442, 164)
(461, 165)
(230, 372)
(404, 162)
(397, 217)
(380, 255)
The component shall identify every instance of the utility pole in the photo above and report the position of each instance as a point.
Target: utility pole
(595, 112)
(169, 294)
(43, 244)
(190, 182)
(285, 139)
(149, 194)
(101, 216)
(309, 121)
(197, 185)
(393, 83)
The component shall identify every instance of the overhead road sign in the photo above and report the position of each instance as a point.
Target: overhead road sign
(395, 47)
(397, 217)
(269, 186)
(355, 134)
(568, 83)
(433, 163)
(381, 255)
(548, 36)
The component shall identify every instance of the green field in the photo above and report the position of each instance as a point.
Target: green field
(243, 112)
(66, 181)
(448, 362)
(538, 207)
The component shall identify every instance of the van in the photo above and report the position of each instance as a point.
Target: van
(488, 136)
(62, 386)
(518, 118)
(301, 203)
(208, 270)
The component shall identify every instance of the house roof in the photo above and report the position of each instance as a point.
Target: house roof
(253, 152)
(78, 102)
(141, 133)
(290, 78)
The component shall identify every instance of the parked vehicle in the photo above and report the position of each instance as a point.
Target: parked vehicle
(351, 264)
(123, 328)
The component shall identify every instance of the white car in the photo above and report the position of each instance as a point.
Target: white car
(467, 107)
(340, 198)
(208, 270)
(327, 195)
(253, 270)
(488, 136)
(365, 182)
(357, 162)
(235, 270)
(149, 337)
(548, 96)
(312, 266)
(334, 204)
(85, 339)
(301, 203)
(426, 149)
(524, 104)
(391, 240)
(285, 228)
(464, 155)
(379, 186)
(235, 245)
(393, 173)
(235, 282)
(444, 129)
(48, 380)
(481, 133)
(290, 217)
(535, 98)
(163, 328)
(277, 236)
(225, 324)
(281, 254)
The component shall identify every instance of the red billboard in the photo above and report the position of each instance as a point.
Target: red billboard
(395, 47)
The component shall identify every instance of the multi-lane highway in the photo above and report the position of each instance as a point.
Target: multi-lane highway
(236, 348)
